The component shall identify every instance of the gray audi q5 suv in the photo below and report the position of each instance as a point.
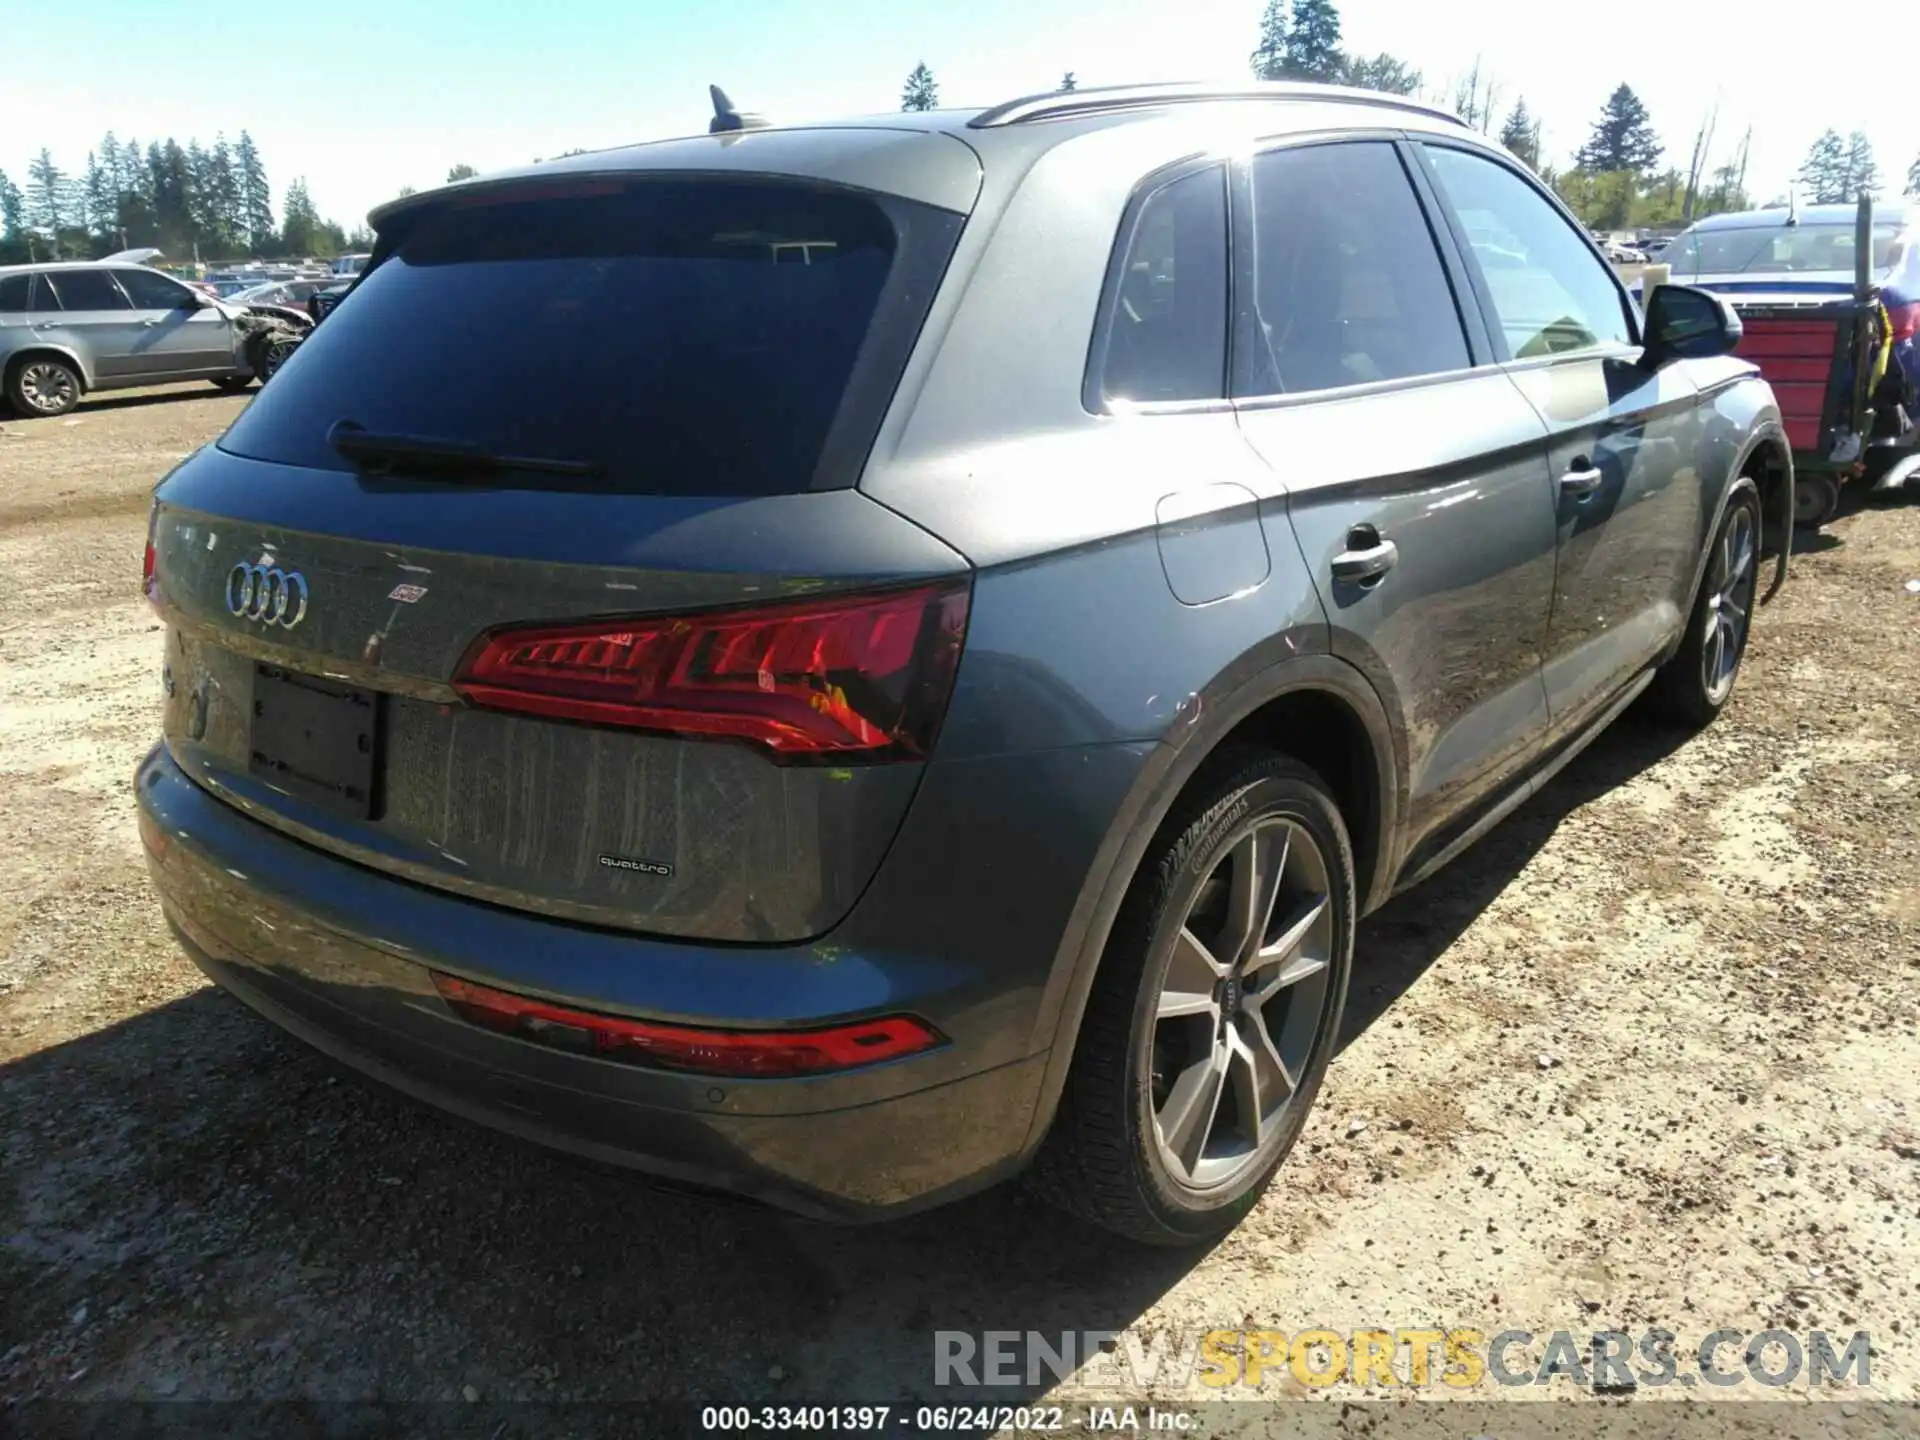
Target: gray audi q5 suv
(847, 662)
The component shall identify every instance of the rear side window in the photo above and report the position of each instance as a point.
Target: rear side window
(703, 337)
(149, 291)
(1165, 332)
(86, 290)
(13, 292)
(1348, 284)
(1550, 292)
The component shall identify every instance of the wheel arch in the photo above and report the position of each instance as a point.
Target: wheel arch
(1766, 459)
(1317, 708)
(47, 350)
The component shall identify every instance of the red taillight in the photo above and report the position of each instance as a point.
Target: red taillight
(746, 1054)
(863, 676)
(1906, 320)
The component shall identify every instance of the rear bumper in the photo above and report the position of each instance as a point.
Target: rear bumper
(340, 956)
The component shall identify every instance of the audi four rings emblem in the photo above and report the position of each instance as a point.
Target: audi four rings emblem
(267, 594)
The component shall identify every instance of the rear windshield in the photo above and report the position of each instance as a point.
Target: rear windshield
(681, 337)
(1777, 249)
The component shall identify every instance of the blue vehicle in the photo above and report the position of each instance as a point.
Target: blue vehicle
(1832, 325)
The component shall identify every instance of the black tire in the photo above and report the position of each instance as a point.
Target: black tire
(233, 384)
(42, 386)
(1103, 1159)
(267, 353)
(1816, 499)
(1688, 690)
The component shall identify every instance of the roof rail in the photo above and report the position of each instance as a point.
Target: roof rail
(1092, 101)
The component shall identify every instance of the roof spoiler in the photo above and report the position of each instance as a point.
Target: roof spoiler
(727, 119)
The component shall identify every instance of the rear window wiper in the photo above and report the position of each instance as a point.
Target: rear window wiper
(384, 454)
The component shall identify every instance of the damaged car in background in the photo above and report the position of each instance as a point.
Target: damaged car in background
(69, 328)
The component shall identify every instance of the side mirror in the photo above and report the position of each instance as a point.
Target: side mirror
(1688, 324)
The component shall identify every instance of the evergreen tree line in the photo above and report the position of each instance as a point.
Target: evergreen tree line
(1616, 181)
(214, 202)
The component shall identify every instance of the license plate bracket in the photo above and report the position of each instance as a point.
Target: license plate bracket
(319, 740)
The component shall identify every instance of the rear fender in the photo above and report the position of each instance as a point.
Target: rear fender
(58, 352)
(1776, 527)
(1190, 743)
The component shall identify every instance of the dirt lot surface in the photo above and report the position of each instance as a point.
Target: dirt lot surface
(1647, 1056)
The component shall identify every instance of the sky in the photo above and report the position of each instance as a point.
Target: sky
(364, 99)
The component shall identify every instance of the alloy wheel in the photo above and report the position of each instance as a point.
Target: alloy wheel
(1242, 1003)
(1730, 605)
(47, 388)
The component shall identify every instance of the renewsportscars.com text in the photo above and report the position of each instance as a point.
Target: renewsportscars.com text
(1459, 1359)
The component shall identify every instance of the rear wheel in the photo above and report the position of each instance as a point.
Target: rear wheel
(1215, 1012)
(1816, 497)
(43, 385)
(1697, 682)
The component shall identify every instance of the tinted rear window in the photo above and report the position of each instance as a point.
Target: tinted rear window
(684, 337)
(86, 290)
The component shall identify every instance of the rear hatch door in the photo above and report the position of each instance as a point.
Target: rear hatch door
(538, 573)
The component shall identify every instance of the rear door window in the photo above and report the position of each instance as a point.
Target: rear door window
(40, 296)
(86, 290)
(1349, 287)
(679, 337)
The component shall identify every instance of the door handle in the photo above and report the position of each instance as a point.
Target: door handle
(1581, 479)
(1367, 557)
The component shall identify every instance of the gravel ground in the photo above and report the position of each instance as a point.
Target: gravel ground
(1647, 1056)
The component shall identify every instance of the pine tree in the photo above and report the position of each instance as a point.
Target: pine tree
(1384, 73)
(1269, 57)
(461, 172)
(1313, 42)
(1068, 84)
(1521, 134)
(921, 92)
(300, 233)
(202, 199)
(1300, 41)
(256, 198)
(133, 191)
(97, 203)
(1823, 172)
(226, 192)
(1913, 178)
(13, 210)
(49, 198)
(172, 195)
(1622, 138)
(1859, 173)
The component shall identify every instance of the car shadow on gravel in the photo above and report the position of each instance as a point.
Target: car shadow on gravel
(194, 1204)
(1399, 942)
